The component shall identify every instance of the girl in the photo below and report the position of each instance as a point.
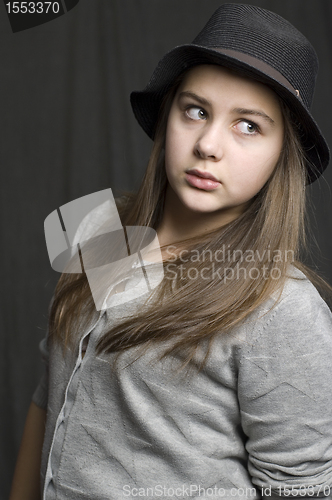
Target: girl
(217, 382)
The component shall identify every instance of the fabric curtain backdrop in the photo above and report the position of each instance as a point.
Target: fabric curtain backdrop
(67, 130)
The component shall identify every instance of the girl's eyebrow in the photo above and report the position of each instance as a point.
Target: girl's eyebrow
(254, 112)
(201, 100)
(239, 111)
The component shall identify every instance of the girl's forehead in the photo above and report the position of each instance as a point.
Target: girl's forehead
(214, 81)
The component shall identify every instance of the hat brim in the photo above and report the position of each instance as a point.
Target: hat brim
(146, 103)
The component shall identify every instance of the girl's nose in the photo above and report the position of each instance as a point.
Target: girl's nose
(209, 145)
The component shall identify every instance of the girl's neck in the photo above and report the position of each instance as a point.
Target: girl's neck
(180, 223)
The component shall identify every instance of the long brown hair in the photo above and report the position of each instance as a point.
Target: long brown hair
(257, 247)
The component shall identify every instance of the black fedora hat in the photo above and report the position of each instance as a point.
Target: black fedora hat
(260, 44)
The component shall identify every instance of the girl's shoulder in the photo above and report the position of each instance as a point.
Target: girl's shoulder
(300, 294)
(297, 315)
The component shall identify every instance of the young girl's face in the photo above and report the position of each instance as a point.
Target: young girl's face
(223, 139)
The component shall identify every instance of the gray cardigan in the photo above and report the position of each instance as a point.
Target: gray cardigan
(255, 423)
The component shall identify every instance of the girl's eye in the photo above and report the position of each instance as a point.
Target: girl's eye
(195, 113)
(247, 128)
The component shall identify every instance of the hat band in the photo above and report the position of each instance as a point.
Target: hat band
(261, 66)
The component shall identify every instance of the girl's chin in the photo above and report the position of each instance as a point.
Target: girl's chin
(200, 204)
(225, 213)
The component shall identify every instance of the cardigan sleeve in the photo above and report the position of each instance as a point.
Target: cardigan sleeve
(285, 396)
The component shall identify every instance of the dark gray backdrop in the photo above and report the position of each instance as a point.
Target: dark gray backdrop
(67, 130)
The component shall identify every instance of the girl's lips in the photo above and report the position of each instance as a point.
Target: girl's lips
(202, 180)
